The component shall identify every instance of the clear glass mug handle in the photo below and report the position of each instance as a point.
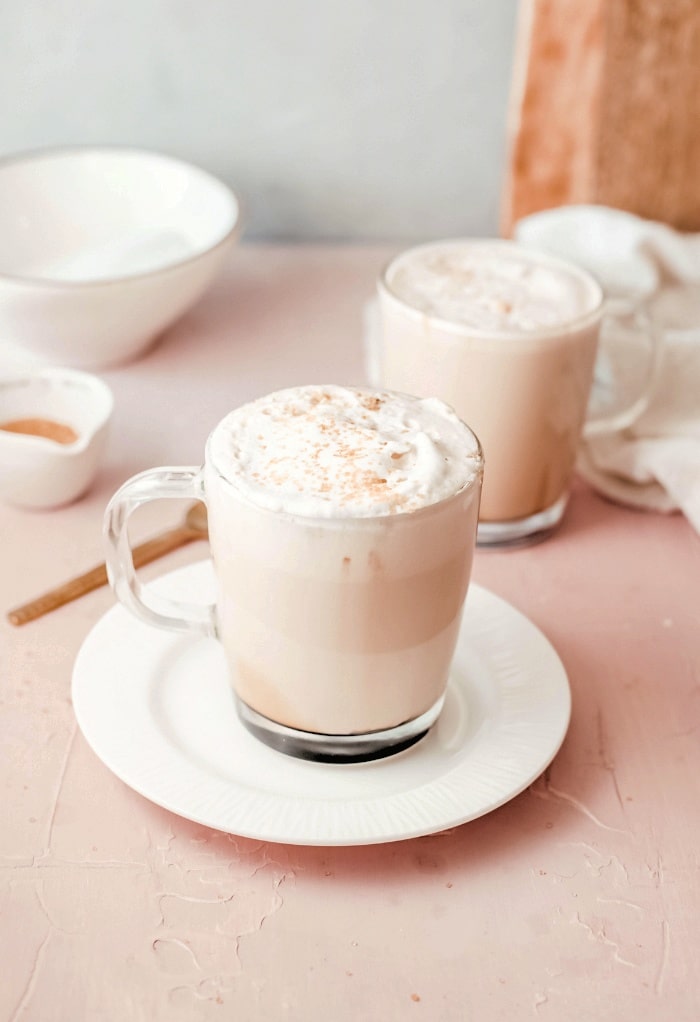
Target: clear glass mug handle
(618, 366)
(151, 607)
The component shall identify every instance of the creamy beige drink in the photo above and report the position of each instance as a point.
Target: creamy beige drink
(507, 337)
(342, 526)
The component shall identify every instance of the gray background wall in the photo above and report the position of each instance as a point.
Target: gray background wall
(378, 119)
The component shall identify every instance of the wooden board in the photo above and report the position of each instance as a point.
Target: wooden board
(605, 108)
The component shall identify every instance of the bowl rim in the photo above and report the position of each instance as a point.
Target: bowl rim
(43, 152)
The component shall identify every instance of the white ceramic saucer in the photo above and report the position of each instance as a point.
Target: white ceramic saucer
(157, 709)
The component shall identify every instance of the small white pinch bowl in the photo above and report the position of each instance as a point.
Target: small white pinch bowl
(102, 249)
(39, 473)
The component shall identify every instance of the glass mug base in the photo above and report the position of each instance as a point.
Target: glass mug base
(519, 531)
(319, 748)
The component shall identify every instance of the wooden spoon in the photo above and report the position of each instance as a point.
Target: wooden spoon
(193, 527)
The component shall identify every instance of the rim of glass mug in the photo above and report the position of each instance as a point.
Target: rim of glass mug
(541, 258)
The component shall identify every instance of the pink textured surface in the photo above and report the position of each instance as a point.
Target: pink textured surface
(578, 900)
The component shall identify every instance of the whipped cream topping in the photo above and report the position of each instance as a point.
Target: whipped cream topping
(344, 452)
(494, 287)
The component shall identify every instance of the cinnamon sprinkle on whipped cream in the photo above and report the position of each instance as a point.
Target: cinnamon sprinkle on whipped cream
(343, 451)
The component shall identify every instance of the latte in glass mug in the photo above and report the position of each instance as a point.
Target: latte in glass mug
(342, 525)
(508, 337)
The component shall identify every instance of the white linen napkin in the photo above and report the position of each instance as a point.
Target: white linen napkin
(655, 463)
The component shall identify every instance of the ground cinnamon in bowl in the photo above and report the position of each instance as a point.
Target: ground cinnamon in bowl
(46, 428)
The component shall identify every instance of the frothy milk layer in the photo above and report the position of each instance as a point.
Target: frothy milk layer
(494, 287)
(340, 451)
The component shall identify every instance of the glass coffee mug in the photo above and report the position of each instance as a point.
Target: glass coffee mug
(524, 388)
(338, 628)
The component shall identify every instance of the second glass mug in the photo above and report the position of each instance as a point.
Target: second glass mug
(527, 395)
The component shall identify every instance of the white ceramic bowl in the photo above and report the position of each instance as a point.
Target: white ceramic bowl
(102, 249)
(38, 472)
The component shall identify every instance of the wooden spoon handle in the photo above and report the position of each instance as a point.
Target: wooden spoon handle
(143, 554)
